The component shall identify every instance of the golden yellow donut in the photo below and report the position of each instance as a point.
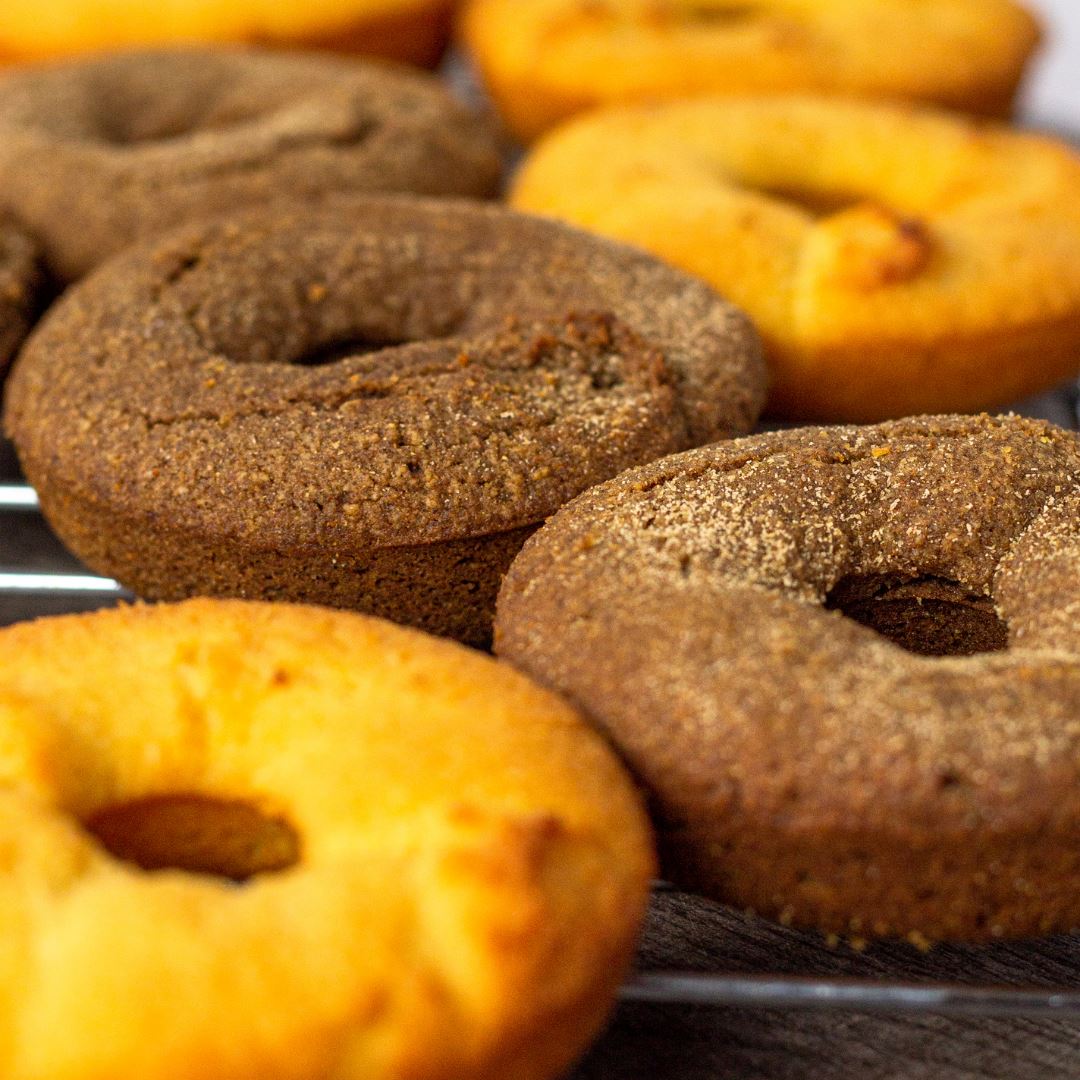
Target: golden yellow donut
(449, 867)
(414, 31)
(544, 60)
(896, 260)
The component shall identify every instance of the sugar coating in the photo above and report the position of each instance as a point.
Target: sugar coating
(299, 405)
(135, 143)
(800, 763)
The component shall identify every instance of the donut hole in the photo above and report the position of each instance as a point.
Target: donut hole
(332, 352)
(929, 616)
(197, 834)
(131, 128)
(128, 107)
(818, 204)
(195, 105)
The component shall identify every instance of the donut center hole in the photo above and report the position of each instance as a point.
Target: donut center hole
(333, 351)
(929, 616)
(818, 204)
(197, 834)
(167, 121)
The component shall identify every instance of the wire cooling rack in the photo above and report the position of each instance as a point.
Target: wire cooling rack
(38, 577)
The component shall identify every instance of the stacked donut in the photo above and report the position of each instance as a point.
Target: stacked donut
(295, 360)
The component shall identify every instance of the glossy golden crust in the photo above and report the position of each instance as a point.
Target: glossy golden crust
(800, 763)
(881, 289)
(473, 862)
(414, 31)
(545, 60)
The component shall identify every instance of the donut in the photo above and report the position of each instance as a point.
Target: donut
(99, 152)
(897, 261)
(20, 287)
(331, 848)
(844, 663)
(412, 31)
(545, 60)
(368, 404)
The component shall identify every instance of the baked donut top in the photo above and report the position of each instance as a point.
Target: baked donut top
(703, 597)
(135, 142)
(437, 856)
(20, 282)
(807, 212)
(548, 59)
(795, 511)
(383, 372)
(844, 662)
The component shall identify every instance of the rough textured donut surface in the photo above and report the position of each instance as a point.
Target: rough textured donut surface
(20, 284)
(134, 143)
(368, 404)
(881, 289)
(415, 31)
(444, 868)
(545, 60)
(705, 610)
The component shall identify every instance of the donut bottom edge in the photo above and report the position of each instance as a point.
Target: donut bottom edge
(445, 588)
(945, 889)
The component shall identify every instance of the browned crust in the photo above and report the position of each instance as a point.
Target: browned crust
(965, 374)
(799, 764)
(179, 445)
(415, 37)
(136, 143)
(418, 36)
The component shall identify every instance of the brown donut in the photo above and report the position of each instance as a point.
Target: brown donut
(98, 152)
(20, 285)
(368, 404)
(705, 611)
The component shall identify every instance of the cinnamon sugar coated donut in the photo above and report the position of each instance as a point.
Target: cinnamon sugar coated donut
(545, 60)
(369, 404)
(414, 31)
(136, 142)
(916, 775)
(442, 868)
(896, 261)
(20, 285)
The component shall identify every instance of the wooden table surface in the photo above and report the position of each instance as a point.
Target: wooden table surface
(671, 1042)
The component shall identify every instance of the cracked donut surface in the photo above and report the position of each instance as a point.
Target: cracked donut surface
(881, 289)
(546, 60)
(844, 662)
(370, 853)
(368, 404)
(137, 142)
